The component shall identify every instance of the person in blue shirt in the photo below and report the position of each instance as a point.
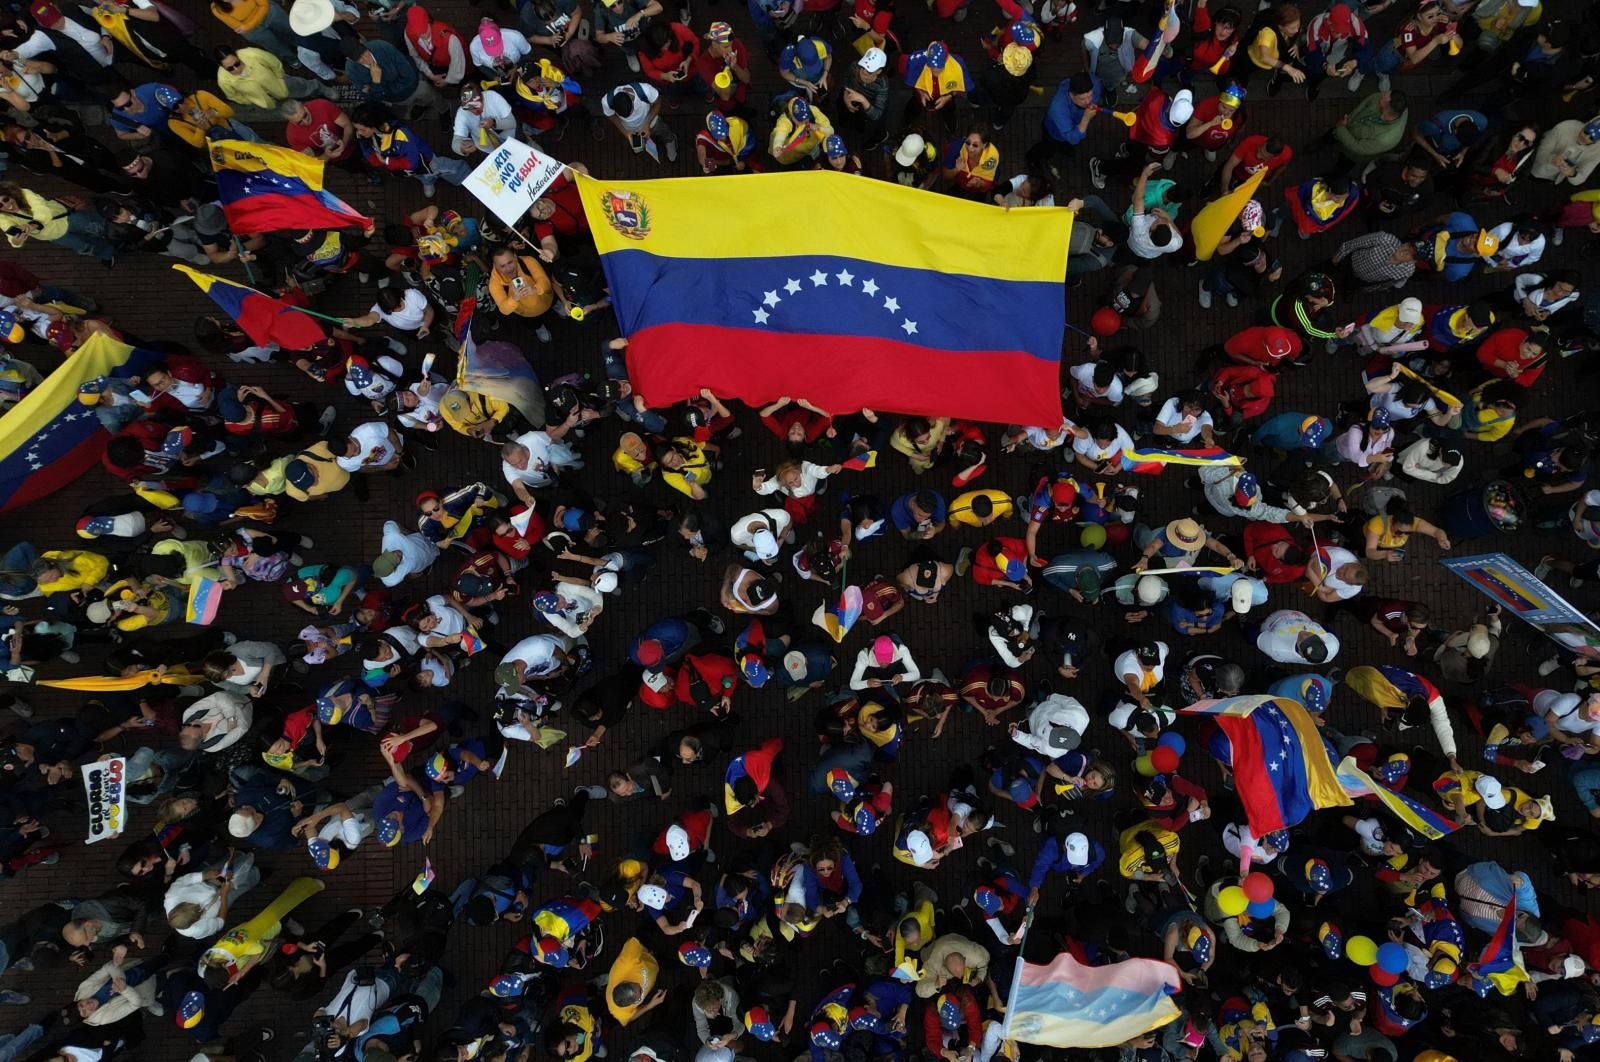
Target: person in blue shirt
(745, 892)
(1067, 119)
(384, 74)
(1448, 135)
(919, 514)
(1192, 610)
(805, 65)
(267, 804)
(666, 640)
(400, 815)
(1063, 851)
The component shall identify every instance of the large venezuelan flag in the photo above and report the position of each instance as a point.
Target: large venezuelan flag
(1415, 814)
(49, 438)
(1282, 770)
(848, 292)
(264, 188)
(263, 318)
(1069, 1004)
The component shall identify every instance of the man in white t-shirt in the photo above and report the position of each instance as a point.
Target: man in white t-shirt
(371, 447)
(405, 310)
(1151, 232)
(1573, 719)
(483, 121)
(1337, 574)
(1292, 637)
(1100, 448)
(1183, 417)
(635, 108)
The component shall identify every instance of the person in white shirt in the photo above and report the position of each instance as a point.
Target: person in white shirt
(1541, 295)
(1574, 719)
(1100, 448)
(1096, 382)
(405, 555)
(761, 534)
(537, 656)
(197, 904)
(1183, 418)
(418, 403)
(534, 459)
(794, 479)
(885, 662)
(97, 45)
(1337, 574)
(482, 122)
(403, 311)
(1291, 637)
(371, 447)
(1151, 232)
(1142, 669)
(1520, 246)
(635, 109)
(495, 50)
(1055, 726)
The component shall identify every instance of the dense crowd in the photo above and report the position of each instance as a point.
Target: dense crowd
(1361, 931)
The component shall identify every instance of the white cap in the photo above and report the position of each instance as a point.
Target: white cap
(910, 149)
(1243, 595)
(1478, 643)
(920, 847)
(873, 60)
(794, 662)
(1077, 849)
(310, 17)
(677, 842)
(1182, 107)
(1494, 798)
(1372, 836)
(1410, 311)
(764, 544)
(606, 582)
(1573, 966)
(1148, 589)
(241, 824)
(653, 897)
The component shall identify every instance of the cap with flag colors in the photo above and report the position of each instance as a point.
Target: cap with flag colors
(952, 309)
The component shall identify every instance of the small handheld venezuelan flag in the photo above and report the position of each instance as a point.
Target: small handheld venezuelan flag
(424, 879)
(862, 461)
(205, 596)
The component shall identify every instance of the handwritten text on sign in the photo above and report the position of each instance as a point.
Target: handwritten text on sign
(104, 786)
(511, 177)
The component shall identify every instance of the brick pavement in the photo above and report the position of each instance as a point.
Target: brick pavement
(141, 296)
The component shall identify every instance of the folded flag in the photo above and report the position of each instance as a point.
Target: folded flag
(1152, 460)
(264, 188)
(263, 318)
(1282, 769)
(1069, 1004)
(205, 597)
(952, 308)
(861, 462)
(49, 438)
(1421, 818)
(839, 617)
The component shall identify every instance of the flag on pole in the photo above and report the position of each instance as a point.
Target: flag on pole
(839, 617)
(1500, 965)
(263, 318)
(265, 188)
(1146, 62)
(1069, 1004)
(1212, 220)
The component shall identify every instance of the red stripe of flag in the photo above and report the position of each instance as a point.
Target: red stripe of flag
(58, 473)
(1251, 780)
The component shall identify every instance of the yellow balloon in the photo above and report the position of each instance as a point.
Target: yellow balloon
(1232, 901)
(1362, 951)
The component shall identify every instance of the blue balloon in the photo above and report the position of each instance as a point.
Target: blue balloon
(1173, 740)
(1261, 908)
(1392, 958)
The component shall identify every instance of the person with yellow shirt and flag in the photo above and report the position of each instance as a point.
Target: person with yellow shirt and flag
(969, 166)
(936, 77)
(725, 142)
(798, 133)
(26, 215)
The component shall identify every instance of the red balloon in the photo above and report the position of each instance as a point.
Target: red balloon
(1381, 977)
(1105, 322)
(1257, 886)
(1164, 759)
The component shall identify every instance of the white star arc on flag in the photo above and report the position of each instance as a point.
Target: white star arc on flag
(819, 279)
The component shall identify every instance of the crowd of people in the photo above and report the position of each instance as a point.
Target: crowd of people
(466, 648)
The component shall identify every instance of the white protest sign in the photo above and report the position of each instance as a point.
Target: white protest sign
(511, 177)
(104, 786)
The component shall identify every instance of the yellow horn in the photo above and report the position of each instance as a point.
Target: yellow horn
(1127, 118)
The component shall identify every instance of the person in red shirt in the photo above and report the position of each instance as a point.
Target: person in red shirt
(1213, 43)
(1245, 392)
(317, 127)
(796, 422)
(1514, 354)
(873, 17)
(668, 53)
(1255, 153)
(1216, 121)
(1274, 553)
(953, 1014)
(559, 223)
(1266, 346)
(1000, 561)
(724, 56)
(707, 680)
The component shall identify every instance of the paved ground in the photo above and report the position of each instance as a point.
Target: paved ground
(141, 296)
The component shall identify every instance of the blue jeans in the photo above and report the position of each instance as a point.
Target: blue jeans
(86, 234)
(453, 170)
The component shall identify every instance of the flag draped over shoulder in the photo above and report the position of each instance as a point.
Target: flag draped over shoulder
(49, 438)
(1281, 767)
(263, 318)
(1421, 818)
(264, 188)
(851, 293)
(1068, 1004)
(1500, 965)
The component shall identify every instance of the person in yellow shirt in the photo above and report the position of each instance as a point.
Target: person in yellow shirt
(26, 215)
(520, 286)
(914, 932)
(798, 133)
(631, 987)
(263, 23)
(980, 508)
(64, 571)
(254, 82)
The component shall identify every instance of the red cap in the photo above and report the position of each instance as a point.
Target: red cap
(45, 13)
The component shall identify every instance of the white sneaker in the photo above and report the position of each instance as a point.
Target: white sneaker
(1549, 666)
(1558, 236)
(1211, 156)
(633, 62)
(672, 150)
(1097, 176)
(543, 333)
(1355, 80)
(1233, 300)
(1205, 297)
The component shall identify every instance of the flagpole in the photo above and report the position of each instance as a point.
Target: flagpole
(313, 313)
(238, 249)
(1016, 975)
